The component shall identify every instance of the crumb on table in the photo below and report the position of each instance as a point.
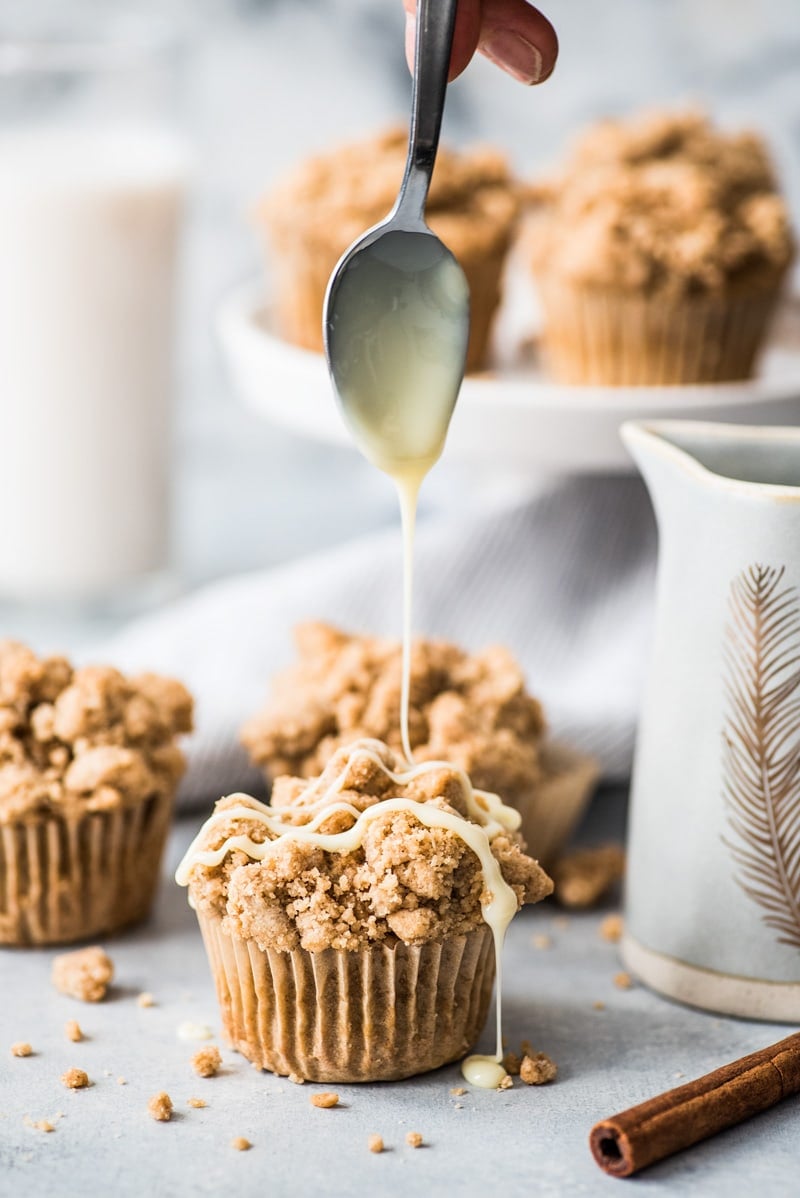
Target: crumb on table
(611, 928)
(537, 1069)
(325, 1100)
(542, 941)
(75, 1079)
(39, 1124)
(241, 1144)
(73, 1031)
(506, 1083)
(457, 1091)
(375, 1143)
(84, 974)
(297, 1079)
(197, 1103)
(623, 981)
(21, 1049)
(122, 1081)
(414, 1139)
(207, 1061)
(599, 1005)
(145, 999)
(582, 877)
(160, 1107)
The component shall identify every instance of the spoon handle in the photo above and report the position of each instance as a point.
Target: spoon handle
(435, 24)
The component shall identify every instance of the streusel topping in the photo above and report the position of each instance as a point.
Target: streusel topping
(87, 738)
(473, 711)
(473, 198)
(405, 879)
(664, 201)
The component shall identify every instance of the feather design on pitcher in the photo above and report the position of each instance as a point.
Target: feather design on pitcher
(761, 744)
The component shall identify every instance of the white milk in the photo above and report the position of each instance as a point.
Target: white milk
(89, 227)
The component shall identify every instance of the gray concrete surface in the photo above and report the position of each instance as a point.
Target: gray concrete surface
(525, 1141)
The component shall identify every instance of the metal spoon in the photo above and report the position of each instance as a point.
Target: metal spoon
(396, 316)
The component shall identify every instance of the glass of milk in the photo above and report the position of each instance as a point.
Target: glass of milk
(92, 180)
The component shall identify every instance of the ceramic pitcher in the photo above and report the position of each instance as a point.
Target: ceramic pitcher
(713, 885)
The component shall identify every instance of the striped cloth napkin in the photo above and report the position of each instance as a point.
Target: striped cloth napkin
(564, 579)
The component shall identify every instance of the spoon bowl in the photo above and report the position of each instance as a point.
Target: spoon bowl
(397, 332)
(396, 317)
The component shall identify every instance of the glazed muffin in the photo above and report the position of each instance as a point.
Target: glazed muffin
(319, 209)
(348, 925)
(88, 773)
(659, 253)
(470, 710)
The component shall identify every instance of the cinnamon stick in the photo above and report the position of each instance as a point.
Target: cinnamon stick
(647, 1133)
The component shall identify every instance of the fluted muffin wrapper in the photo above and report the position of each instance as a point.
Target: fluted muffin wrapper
(554, 809)
(611, 338)
(70, 877)
(377, 1014)
(301, 274)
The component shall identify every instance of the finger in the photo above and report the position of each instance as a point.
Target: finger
(518, 38)
(465, 34)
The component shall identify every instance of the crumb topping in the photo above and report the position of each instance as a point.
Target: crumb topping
(471, 710)
(207, 1061)
(664, 202)
(406, 881)
(160, 1107)
(87, 739)
(84, 974)
(472, 205)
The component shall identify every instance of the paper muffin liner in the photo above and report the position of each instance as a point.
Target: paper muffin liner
(609, 338)
(379, 1014)
(555, 808)
(65, 878)
(301, 278)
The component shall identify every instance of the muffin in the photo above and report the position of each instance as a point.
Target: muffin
(659, 253)
(88, 773)
(346, 925)
(472, 711)
(318, 210)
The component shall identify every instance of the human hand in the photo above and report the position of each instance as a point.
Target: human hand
(511, 33)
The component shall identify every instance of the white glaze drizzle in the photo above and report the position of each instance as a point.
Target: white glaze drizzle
(408, 493)
(489, 817)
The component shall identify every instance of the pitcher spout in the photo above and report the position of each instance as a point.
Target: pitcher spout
(677, 456)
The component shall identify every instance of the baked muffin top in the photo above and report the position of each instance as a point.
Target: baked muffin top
(85, 739)
(471, 710)
(663, 202)
(473, 201)
(389, 868)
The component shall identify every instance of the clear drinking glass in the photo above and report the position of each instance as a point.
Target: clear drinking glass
(92, 182)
